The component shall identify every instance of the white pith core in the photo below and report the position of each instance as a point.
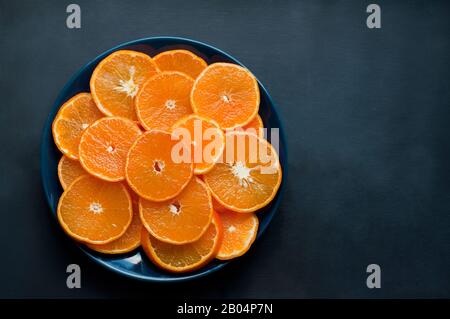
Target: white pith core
(84, 126)
(226, 98)
(158, 166)
(231, 229)
(171, 104)
(242, 172)
(95, 208)
(129, 86)
(175, 208)
(110, 149)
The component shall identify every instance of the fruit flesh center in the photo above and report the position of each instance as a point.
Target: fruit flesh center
(110, 149)
(128, 86)
(231, 229)
(170, 104)
(96, 208)
(226, 98)
(158, 166)
(175, 208)
(84, 126)
(242, 172)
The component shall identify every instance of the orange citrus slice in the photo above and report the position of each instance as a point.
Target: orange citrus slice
(94, 211)
(207, 140)
(68, 171)
(239, 233)
(104, 147)
(163, 100)
(152, 172)
(72, 119)
(180, 220)
(180, 60)
(255, 126)
(188, 257)
(117, 80)
(226, 93)
(131, 239)
(248, 176)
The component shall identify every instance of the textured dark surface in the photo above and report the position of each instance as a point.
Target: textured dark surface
(367, 121)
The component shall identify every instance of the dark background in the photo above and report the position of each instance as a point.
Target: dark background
(366, 114)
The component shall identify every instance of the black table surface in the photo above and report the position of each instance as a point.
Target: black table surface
(366, 113)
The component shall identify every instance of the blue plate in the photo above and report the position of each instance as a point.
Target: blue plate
(135, 264)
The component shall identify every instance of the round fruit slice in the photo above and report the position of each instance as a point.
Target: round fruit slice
(68, 171)
(188, 257)
(182, 61)
(72, 119)
(206, 137)
(163, 100)
(249, 175)
(152, 172)
(132, 237)
(255, 126)
(117, 80)
(226, 93)
(181, 220)
(94, 211)
(104, 147)
(239, 233)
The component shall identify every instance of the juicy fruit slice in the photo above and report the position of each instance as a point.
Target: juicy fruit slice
(183, 219)
(69, 170)
(94, 211)
(131, 239)
(150, 170)
(104, 147)
(188, 257)
(182, 61)
(249, 175)
(163, 100)
(255, 126)
(239, 233)
(117, 80)
(72, 119)
(226, 93)
(207, 140)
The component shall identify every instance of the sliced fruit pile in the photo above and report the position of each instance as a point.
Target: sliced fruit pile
(123, 188)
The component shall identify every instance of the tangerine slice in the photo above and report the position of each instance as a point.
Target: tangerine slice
(94, 211)
(72, 119)
(152, 172)
(207, 139)
(182, 61)
(69, 170)
(249, 175)
(255, 126)
(104, 147)
(163, 100)
(117, 80)
(131, 239)
(226, 93)
(188, 257)
(239, 233)
(180, 220)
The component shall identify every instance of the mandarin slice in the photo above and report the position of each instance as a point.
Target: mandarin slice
(152, 172)
(207, 140)
(249, 174)
(69, 170)
(226, 93)
(117, 80)
(239, 233)
(72, 119)
(104, 147)
(182, 219)
(163, 100)
(94, 211)
(182, 61)
(184, 258)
